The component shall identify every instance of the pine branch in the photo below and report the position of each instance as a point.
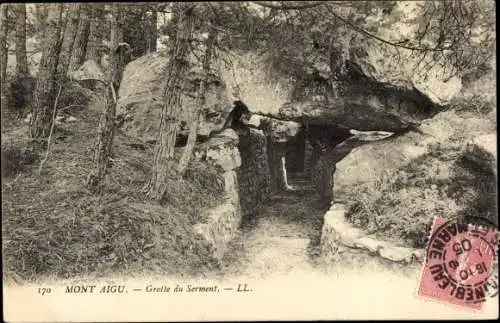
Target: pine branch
(400, 45)
(350, 24)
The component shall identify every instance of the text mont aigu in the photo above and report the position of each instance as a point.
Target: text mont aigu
(121, 289)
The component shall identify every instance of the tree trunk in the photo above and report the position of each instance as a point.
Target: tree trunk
(106, 130)
(154, 31)
(193, 128)
(20, 37)
(4, 53)
(45, 86)
(70, 33)
(119, 58)
(82, 37)
(164, 149)
(94, 43)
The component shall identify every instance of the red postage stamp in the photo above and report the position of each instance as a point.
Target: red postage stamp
(459, 264)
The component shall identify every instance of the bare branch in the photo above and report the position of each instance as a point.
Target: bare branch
(289, 7)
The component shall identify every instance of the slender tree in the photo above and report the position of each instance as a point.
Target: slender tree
(164, 149)
(3, 51)
(106, 131)
(81, 40)
(70, 34)
(153, 36)
(193, 128)
(20, 40)
(94, 50)
(44, 94)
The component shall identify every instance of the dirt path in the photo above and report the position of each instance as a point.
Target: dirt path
(282, 237)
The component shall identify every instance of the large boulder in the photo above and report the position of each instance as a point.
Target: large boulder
(248, 80)
(369, 161)
(402, 68)
(141, 98)
(367, 106)
(341, 241)
(221, 151)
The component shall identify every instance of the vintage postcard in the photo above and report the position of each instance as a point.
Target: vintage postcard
(249, 160)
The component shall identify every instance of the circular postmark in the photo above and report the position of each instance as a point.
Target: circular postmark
(460, 258)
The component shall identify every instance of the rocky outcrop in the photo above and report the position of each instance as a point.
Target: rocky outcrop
(141, 98)
(398, 68)
(248, 79)
(370, 102)
(367, 106)
(341, 241)
(356, 163)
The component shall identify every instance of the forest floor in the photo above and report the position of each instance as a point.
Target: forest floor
(52, 227)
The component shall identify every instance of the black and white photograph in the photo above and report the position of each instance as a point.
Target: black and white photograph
(249, 160)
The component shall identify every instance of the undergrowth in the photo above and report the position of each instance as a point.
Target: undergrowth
(53, 227)
(401, 205)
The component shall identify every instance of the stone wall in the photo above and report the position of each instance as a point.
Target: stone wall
(310, 158)
(254, 177)
(243, 163)
(322, 176)
(223, 220)
(340, 241)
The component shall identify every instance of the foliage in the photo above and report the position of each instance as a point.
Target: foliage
(462, 30)
(19, 92)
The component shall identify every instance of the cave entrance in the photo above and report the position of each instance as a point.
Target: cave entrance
(299, 156)
(295, 154)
